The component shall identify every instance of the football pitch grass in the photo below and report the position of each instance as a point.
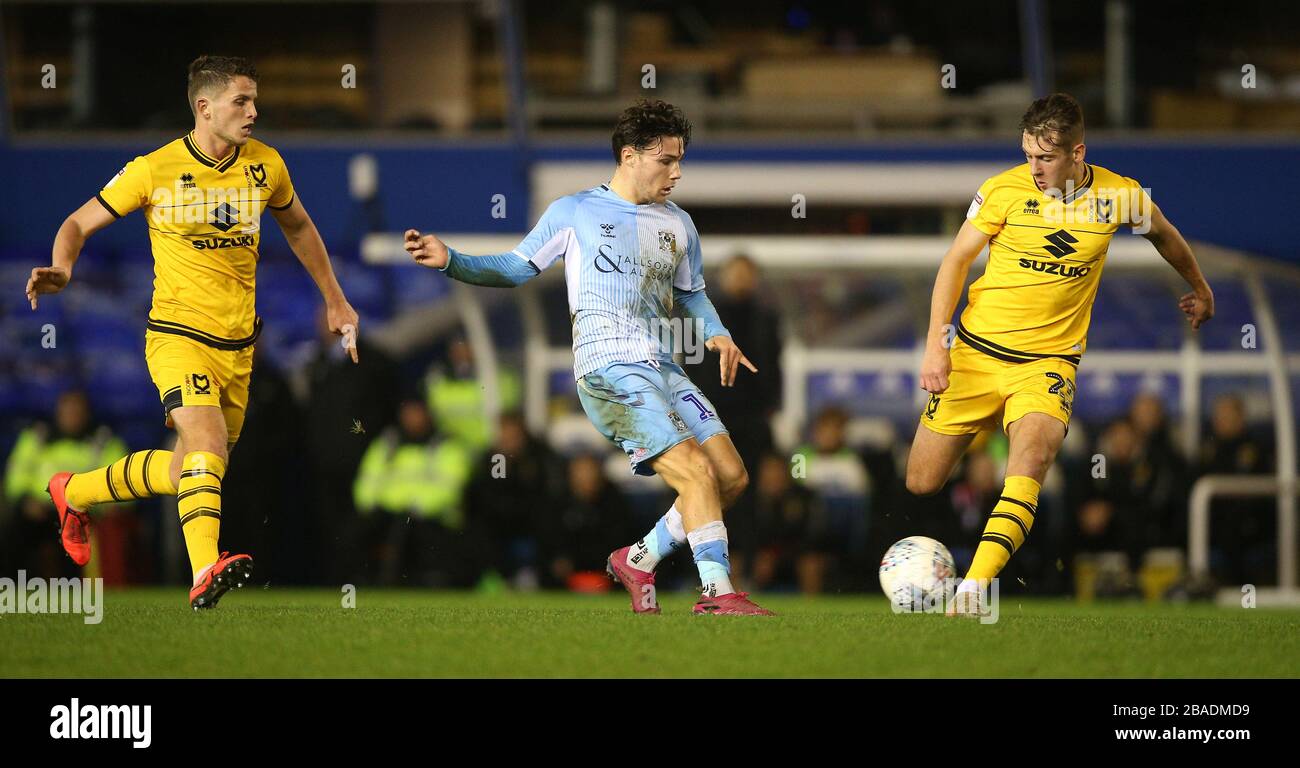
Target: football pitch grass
(307, 633)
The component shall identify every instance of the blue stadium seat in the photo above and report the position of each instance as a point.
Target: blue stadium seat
(1103, 396)
(1135, 313)
(891, 396)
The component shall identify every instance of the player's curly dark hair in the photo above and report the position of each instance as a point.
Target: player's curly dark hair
(208, 73)
(645, 123)
(1055, 120)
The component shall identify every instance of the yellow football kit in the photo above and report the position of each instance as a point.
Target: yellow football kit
(204, 217)
(1019, 341)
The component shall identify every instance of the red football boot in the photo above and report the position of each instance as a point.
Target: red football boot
(229, 572)
(639, 584)
(734, 604)
(74, 525)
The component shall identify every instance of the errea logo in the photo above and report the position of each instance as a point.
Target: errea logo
(103, 721)
(1031, 207)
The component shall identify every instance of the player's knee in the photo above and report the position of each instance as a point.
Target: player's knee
(920, 485)
(214, 444)
(1036, 460)
(703, 477)
(733, 484)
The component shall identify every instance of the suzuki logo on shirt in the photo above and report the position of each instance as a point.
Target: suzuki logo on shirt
(607, 261)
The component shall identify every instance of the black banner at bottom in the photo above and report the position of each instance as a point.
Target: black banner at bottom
(573, 717)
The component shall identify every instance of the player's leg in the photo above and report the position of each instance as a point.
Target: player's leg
(728, 467)
(1039, 402)
(629, 404)
(135, 476)
(950, 421)
(688, 470)
(1034, 440)
(138, 475)
(202, 430)
(215, 432)
(692, 408)
(932, 459)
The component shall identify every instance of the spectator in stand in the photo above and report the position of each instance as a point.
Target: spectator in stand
(410, 488)
(835, 472)
(263, 478)
(347, 406)
(1243, 531)
(791, 529)
(592, 514)
(1163, 473)
(73, 443)
(455, 395)
(510, 499)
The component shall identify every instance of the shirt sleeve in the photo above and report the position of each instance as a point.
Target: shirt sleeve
(282, 190)
(987, 211)
(551, 238)
(690, 270)
(130, 189)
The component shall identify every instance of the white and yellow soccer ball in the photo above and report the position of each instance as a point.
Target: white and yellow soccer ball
(918, 575)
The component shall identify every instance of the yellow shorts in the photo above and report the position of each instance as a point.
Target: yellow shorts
(187, 372)
(982, 388)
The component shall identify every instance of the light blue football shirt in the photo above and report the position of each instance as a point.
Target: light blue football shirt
(621, 263)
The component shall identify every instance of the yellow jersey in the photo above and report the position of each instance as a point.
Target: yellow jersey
(1035, 297)
(204, 217)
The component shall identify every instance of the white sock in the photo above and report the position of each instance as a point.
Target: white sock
(662, 540)
(709, 546)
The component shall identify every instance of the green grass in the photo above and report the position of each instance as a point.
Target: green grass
(306, 633)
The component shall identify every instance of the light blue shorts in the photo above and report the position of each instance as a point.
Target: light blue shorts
(647, 410)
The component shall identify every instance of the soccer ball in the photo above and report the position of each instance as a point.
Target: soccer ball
(917, 575)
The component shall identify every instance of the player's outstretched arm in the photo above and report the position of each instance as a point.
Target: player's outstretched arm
(71, 238)
(936, 365)
(1198, 305)
(501, 270)
(307, 245)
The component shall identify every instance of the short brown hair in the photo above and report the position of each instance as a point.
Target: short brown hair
(208, 73)
(643, 124)
(1056, 120)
